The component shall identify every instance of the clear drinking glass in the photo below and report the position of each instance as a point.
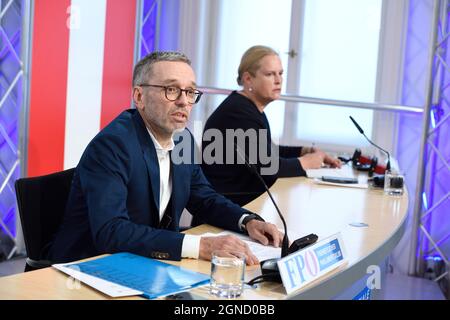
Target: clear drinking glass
(227, 274)
(393, 183)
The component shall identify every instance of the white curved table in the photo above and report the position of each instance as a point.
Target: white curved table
(326, 210)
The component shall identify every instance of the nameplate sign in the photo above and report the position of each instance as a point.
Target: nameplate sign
(304, 266)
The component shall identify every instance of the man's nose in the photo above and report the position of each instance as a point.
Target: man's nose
(182, 99)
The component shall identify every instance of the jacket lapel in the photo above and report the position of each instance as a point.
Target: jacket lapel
(150, 157)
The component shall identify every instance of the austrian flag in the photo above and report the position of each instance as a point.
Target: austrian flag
(81, 71)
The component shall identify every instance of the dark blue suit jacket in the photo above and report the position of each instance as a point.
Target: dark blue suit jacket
(113, 205)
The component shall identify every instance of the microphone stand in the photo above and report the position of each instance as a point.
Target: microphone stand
(254, 170)
(269, 267)
(388, 164)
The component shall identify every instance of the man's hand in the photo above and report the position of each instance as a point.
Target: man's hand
(228, 243)
(264, 232)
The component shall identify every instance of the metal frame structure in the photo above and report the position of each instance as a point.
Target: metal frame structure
(11, 88)
(434, 154)
(150, 13)
(330, 102)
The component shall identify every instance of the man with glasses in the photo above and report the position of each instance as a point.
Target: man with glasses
(127, 194)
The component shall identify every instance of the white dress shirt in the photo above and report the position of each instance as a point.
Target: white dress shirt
(191, 244)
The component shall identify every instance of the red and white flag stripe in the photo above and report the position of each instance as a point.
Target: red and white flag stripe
(81, 73)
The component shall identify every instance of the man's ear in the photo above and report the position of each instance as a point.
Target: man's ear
(137, 98)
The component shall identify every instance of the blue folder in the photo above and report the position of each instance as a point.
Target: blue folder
(152, 277)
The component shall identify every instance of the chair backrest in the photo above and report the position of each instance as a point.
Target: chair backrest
(42, 202)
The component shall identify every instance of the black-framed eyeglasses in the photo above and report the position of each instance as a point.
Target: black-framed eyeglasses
(174, 93)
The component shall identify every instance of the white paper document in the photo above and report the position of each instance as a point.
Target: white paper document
(110, 288)
(343, 172)
(261, 251)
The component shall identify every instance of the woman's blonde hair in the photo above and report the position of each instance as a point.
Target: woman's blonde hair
(250, 60)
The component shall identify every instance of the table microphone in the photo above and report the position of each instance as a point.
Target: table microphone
(388, 164)
(269, 267)
(254, 170)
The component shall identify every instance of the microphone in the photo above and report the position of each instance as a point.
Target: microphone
(388, 164)
(254, 170)
(269, 267)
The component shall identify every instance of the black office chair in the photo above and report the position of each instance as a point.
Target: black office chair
(42, 202)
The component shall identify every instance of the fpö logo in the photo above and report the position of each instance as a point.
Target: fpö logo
(302, 267)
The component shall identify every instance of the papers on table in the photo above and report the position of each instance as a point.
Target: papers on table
(261, 251)
(125, 274)
(110, 288)
(343, 172)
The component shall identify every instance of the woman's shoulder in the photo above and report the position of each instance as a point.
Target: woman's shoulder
(236, 103)
(235, 112)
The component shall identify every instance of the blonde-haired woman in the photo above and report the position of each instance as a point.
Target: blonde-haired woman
(261, 76)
